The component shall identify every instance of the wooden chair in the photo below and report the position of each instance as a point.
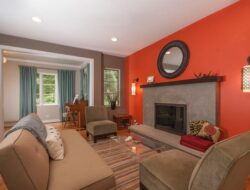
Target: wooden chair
(75, 115)
(70, 117)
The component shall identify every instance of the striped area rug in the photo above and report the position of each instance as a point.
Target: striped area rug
(123, 162)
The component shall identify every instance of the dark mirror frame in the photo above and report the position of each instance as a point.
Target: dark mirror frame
(184, 63)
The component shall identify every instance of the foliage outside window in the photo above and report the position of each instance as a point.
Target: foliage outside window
(111, 86)
(46, 90)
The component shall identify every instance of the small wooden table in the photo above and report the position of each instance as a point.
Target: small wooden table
(122, 119)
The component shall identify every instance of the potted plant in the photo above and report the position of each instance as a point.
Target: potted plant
(112, 99)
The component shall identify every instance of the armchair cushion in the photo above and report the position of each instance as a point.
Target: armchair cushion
(167, 170)
(101, 127)
(96, 113)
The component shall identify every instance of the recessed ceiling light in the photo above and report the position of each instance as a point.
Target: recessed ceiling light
(168, 52)
(4, 60)
(114, 39)
(36, 19)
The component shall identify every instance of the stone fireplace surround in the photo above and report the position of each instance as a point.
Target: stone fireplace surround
(200, 98)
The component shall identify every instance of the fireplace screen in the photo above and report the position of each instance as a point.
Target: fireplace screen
(171, 117)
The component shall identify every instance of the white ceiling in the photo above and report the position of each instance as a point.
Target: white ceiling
(91, 23)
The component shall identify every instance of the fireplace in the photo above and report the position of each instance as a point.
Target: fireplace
(171, 117)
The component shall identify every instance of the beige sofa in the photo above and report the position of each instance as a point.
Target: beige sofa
(225, 166)
(25, 164)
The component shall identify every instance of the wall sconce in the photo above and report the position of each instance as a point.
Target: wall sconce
(133, 86)
(246, 77)
(4, 60)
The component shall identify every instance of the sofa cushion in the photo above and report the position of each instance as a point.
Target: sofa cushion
(24, 162)
(101, 127)
(81, 168)
(225, 165)
(195, 142)
(167, 170)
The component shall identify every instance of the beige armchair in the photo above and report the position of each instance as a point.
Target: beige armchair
(225, 166)
(97, 123)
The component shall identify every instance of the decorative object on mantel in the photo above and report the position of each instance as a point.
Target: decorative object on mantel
(201, 75)
(150, 79)
(187, 81)
(173, 59)
(133, 86)
(246, 77)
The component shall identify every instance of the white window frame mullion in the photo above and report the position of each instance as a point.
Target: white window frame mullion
(41, 88)
(56, 88)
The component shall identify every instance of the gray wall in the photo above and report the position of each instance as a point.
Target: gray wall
(116, 63)
(100, 61)
(1, 98)
(61, 49)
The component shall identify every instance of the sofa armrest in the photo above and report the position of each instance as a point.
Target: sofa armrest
(167, 170)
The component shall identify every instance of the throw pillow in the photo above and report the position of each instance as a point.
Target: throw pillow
(195, 126)
(210, 132)
(54, 143)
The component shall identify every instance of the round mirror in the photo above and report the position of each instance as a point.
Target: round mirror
(173, 59)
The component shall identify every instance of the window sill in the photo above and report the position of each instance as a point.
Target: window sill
(110, 106)
(46, 105)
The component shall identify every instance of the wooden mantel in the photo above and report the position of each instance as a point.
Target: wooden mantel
(187, 81)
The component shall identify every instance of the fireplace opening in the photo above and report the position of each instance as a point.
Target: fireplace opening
(171, 117)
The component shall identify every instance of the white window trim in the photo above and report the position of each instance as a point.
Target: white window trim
(41, 73)
(119, 84)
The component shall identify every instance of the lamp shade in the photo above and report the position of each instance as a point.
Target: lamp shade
(133, 88)
(246, 78)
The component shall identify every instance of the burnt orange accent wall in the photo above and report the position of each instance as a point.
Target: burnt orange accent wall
(219, 43)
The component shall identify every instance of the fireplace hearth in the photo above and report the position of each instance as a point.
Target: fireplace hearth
(171, 117)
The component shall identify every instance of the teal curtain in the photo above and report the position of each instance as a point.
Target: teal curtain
(66, 88)
(84, 82)
(27, 90)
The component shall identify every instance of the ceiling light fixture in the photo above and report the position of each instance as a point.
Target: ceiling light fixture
(114, 39)
(36, 19)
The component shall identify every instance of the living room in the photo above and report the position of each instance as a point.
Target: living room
(130, 95)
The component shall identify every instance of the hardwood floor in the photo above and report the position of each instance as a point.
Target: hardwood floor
(121, 132)
(2, 184)
(248, 183)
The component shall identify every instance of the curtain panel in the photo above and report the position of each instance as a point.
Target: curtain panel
(84, 82)
(27, 90)
(66, 88)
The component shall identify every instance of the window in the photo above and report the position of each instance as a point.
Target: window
(111, 86)
(46, 91)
